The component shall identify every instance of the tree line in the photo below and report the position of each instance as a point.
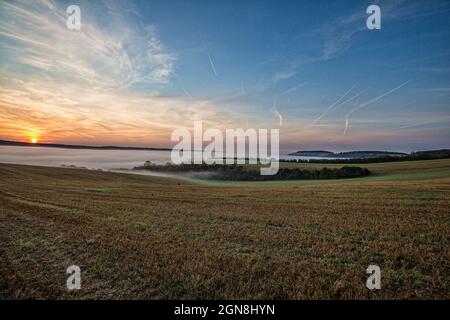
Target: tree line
(419, 155)
(235, 172)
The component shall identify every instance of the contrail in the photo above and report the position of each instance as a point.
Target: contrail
(353, 97)
(347, 117)
(377, 98)
(443, 119)
(347, 124)
(294, 88)
(357, 100)
(332, 106)
(210, 60)
(362, 105)
(185, 92)
(276, 113)
(347, 120)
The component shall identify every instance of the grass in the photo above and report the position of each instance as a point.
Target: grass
(159, 238)
(389, 171)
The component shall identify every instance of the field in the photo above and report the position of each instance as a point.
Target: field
(158, 238)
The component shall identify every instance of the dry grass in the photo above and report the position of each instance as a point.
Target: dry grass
(146, 237)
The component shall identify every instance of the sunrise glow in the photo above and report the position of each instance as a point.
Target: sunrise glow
(135, 86)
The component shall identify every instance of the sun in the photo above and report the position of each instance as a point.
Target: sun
(33, 137)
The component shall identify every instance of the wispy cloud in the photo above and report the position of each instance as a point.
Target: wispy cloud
(68, 112)
(101, 83)
(442, 89)
(293, 89)
(285, 74)
(437, 92)
(292, 68)
(434, 70)
(431, 119)
(123, 78)
(340, 33)
(37, 37)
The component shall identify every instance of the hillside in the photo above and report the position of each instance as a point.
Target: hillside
(253, 240)
(348, 154)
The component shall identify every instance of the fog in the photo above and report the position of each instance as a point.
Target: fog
(89, 158)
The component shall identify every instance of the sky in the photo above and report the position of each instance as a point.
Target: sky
(138, 70)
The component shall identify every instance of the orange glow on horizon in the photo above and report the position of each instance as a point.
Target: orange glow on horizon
(34, 140)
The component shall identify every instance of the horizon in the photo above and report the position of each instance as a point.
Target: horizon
(138, 70)
(285, 152)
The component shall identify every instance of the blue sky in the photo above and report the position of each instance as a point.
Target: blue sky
(139, 69)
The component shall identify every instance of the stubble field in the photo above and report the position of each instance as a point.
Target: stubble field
(158, 238)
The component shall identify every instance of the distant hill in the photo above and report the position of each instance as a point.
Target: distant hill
(70, 146)
(313, 153)
(348, 154)
(358, 157)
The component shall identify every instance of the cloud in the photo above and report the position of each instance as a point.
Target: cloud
(339, 33)
(431, 120)
(434, 70)
(99, 84)
(285, 74)
(70, 112)
(437, 89)
(37, 37)
(292, 69)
